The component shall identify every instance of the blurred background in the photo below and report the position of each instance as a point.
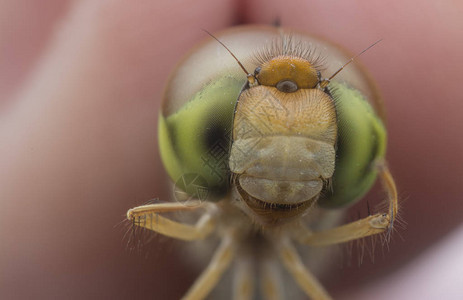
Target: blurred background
(80, 87)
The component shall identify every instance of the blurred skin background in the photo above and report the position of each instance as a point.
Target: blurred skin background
(80, 87)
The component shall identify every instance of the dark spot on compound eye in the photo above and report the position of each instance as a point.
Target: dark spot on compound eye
(214, 135)
(287, 86)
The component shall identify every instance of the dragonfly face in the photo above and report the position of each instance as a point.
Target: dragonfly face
(285, 141)
(283, 150)
(264, 148)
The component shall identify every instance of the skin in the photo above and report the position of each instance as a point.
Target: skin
(80, 87)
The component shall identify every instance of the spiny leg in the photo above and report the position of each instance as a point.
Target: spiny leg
(271, 283)
(147, 216)
(304, 278)
(389, 185)
(243, 278)
(361, 228)
(217, 266)
(370, 225)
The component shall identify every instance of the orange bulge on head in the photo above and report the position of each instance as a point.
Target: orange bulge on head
(292, 68)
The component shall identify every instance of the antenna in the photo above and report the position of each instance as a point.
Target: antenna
(250, 77)
(353, 58)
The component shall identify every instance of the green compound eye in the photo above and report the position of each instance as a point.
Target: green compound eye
(196, 138)
(361, 142)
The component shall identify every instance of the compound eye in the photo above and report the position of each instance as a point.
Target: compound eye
(287, 86)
